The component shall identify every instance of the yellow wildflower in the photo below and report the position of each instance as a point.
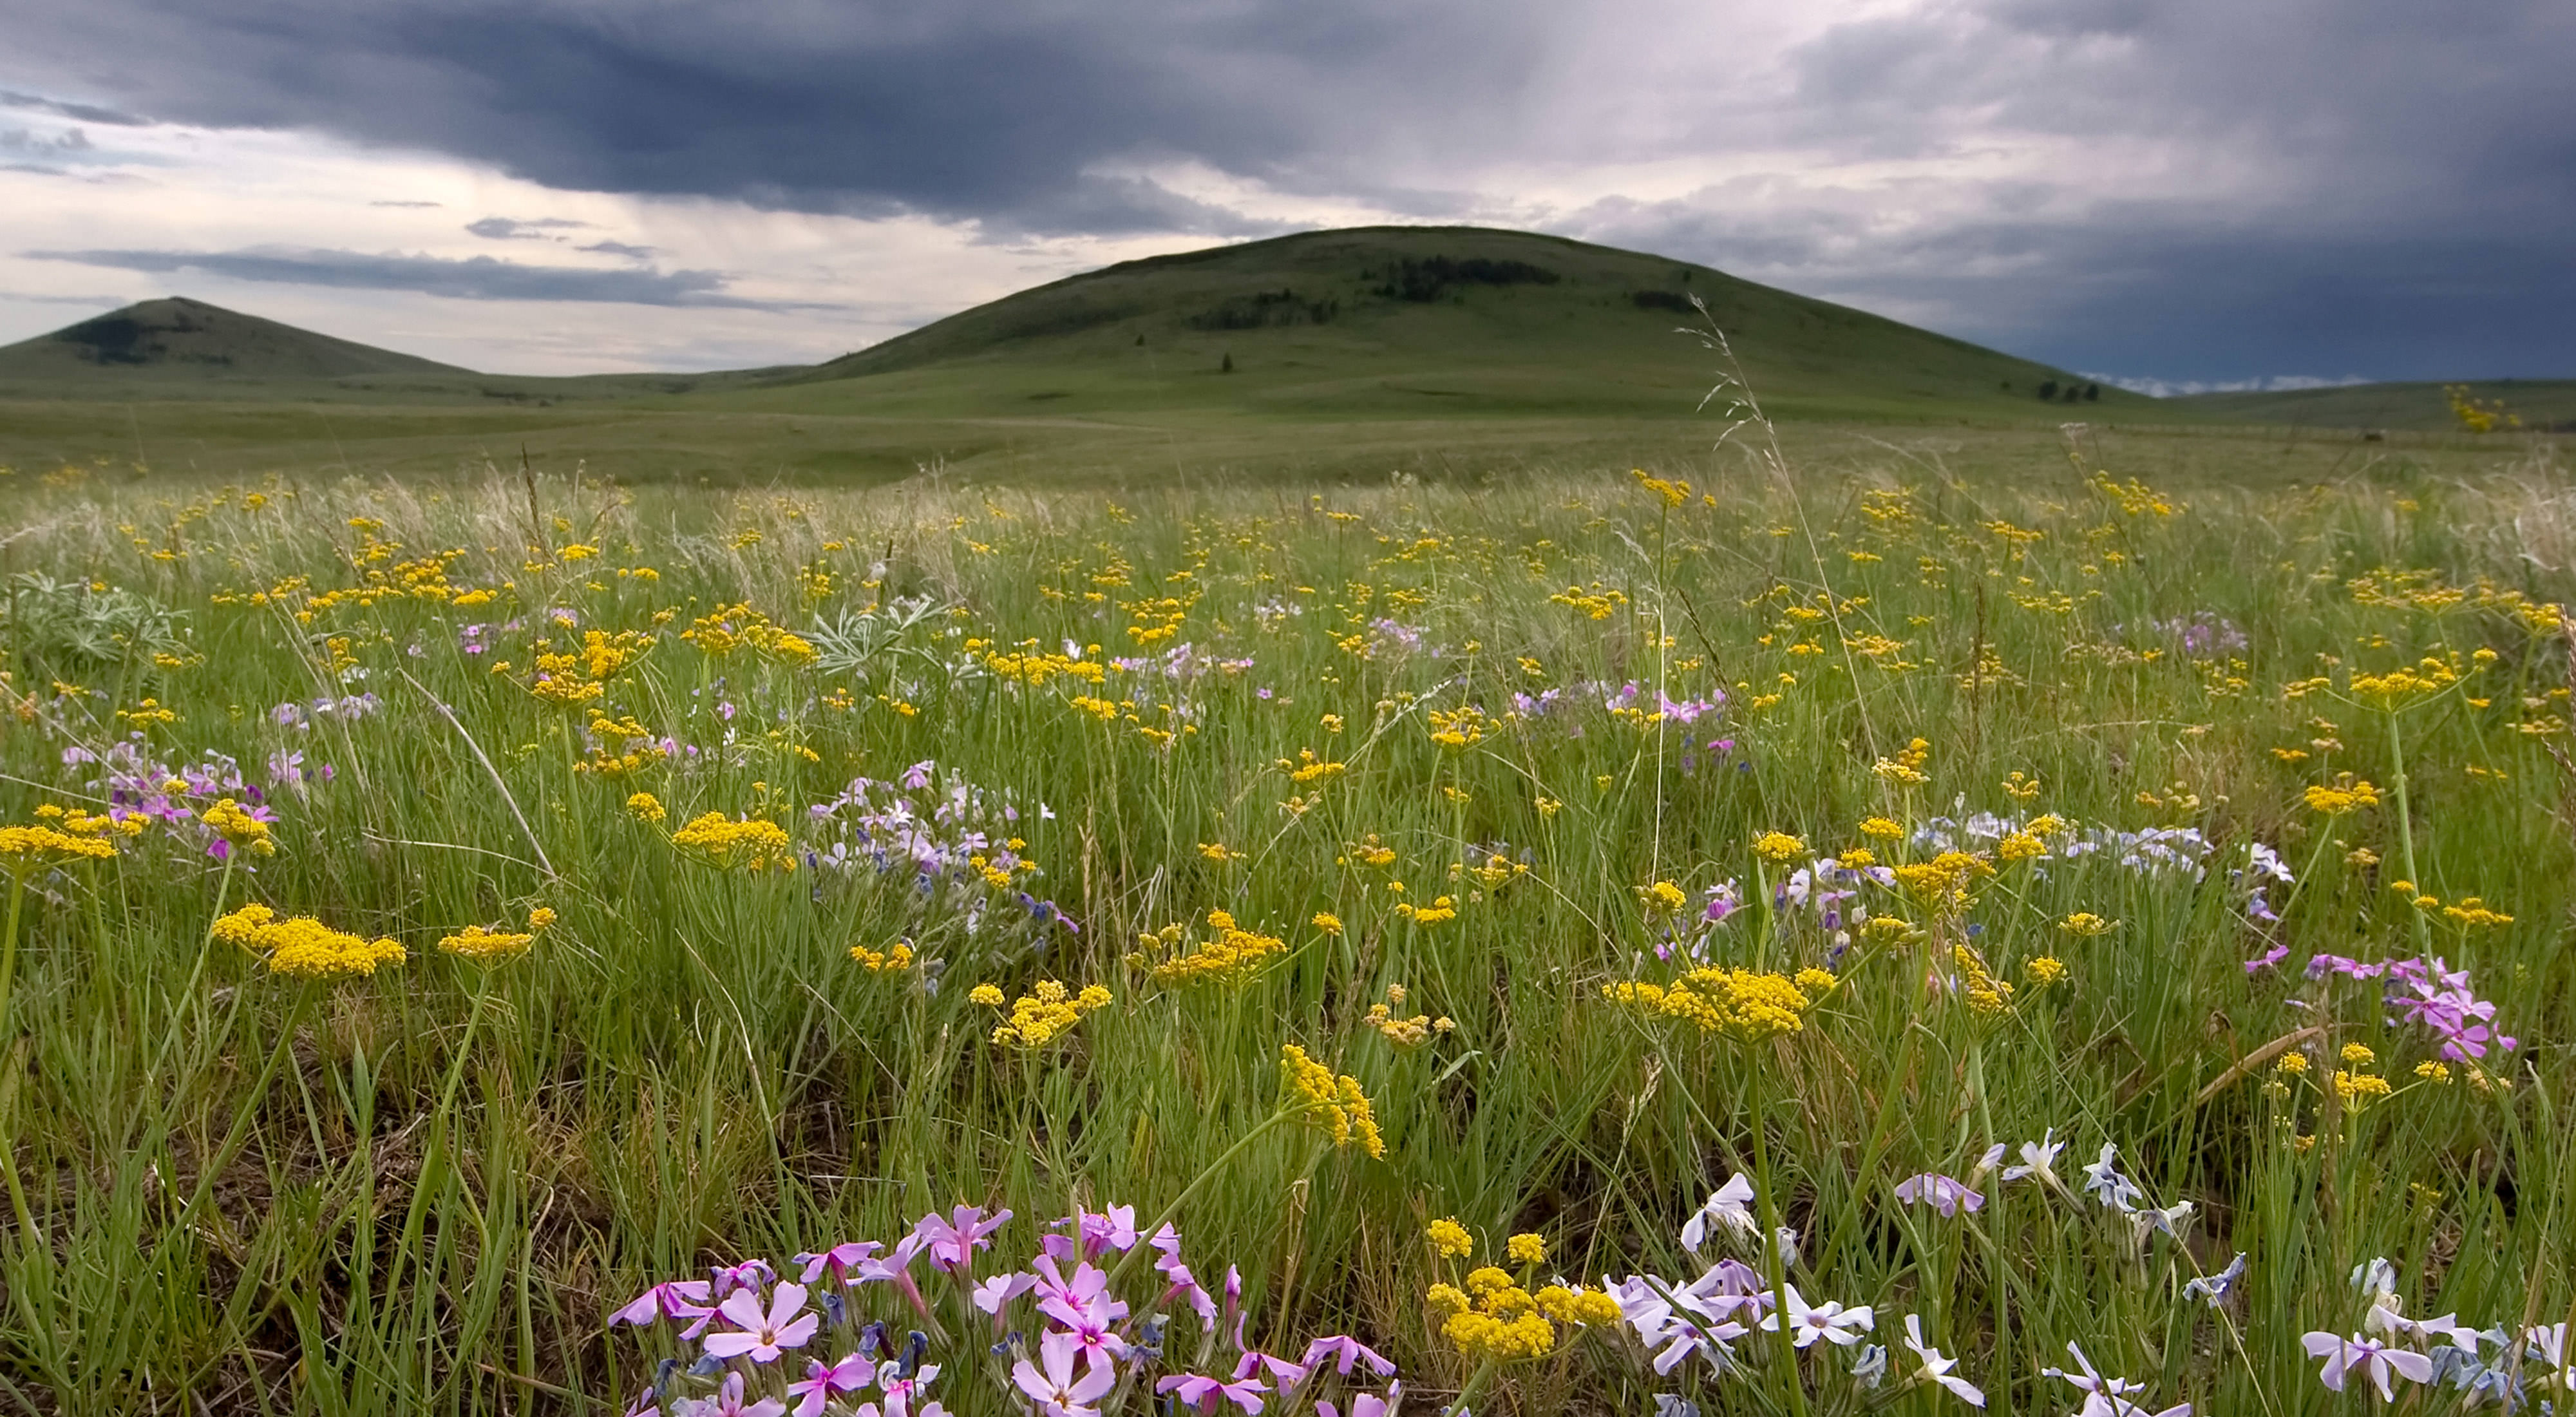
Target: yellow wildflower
(1526, 1248)
(240, 828)
(750, 843)
(1779, 848)
(485, 946)
(1449, 1239)
(1338, 1102)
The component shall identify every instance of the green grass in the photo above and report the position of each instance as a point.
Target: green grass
(424, 1190)
(2421, 407)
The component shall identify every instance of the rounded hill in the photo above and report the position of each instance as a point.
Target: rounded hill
(1426, 320)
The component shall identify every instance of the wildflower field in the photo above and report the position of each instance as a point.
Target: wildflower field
(1659, 942)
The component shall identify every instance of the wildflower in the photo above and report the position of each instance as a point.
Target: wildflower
(671, 1299)
(2085, 923)
(2038, 1162)
(953, 1242)
(1881, 828)
(1748, 1006)
(645, 807)
(1936, 1368)
(24, 850)
(307, 947)
(1942, 1193)
(1042, 1015)
(762, 1335)
(1870, 1368)
(1329, 923)
(1194, 1390)
(485, 947)
(1054, 1388)
(1338, 1101)
(1526, 1249)
(2377, 1361)
(1778, 847)
(240, 827)
(728, 1402)
(2214, 1288)
(750, 843)
(1449, 1239)
(2044, 971)
(541, 918)
(893, 959)
(1730, 1205)
(822, 1382)
(1807, 1322)
(2103, 1180)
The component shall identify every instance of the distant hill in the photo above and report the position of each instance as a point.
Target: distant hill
(179, 338)
(2542, 404)
(1412, 321)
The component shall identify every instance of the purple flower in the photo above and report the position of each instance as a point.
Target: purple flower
(954, 1241)
(2377, 1361)
(1940, 1192)
(763, 1335)
(1194, 1390)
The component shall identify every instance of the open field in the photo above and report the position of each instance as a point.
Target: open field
(443, 906)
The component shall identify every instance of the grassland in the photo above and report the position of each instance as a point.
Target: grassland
(1605, 773)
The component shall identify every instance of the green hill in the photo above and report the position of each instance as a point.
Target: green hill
(178, 339)
(2546, 404)
(1416, 322)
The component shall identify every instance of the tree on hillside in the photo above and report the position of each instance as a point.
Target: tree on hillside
(2048, 391)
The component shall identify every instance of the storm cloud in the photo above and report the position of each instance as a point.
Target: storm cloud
(474, 278)
(2176, 189)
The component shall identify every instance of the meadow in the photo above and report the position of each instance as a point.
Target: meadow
(1748, 934)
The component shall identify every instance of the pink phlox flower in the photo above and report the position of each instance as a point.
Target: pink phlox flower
(1345, 1350)
(1098, 1232)
(840, 1260)
(1938, 1368)
(1185, 1285)
(1367, 1404)
(824, 1380)
(1943, 1193)
(1729, 1286)
(750, 1274)
(2377, 1361)
(1288, 1375)
(671, 1299)
(1086, 1285)
(1194, 1390)
(728, 1403)
(1657, 1320)
(890, 1376)
(762, 1336)
(1090, 1324)
(996, 1293)
(1055, 1388)
(954, 1241)
(2267, 959)
(896, 1269)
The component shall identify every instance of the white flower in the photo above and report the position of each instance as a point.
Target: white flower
(1730, 1205)
(2038, 1161)
(1936, 1368)
(1829, 1320)
(2103, 1179)
(2377, 1361)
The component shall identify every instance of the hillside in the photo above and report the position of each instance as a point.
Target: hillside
(1424, 321)
(179, 339)
(2542, 404)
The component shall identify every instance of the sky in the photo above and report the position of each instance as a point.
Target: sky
(2171, 194)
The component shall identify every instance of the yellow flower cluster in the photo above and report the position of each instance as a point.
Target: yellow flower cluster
(1231, 958)
(2346, 795)
(1906, 768)
(2044, 971)
(626, 747)
(1458, 728)
(1742, 1004)
(1663, 897)
(751, 843)
(1439, 911)
(1307, 767)
(2086, 923)
(578, 676)
(1986, 994)
(240, 828)
(1780, 848)
(1404, 1032)
(893, 958)
(2356, 1090)
(1037, 668)
(1449, 1239)
(27, 849)
(646, 807)
(487, 947)
(1045, 1013)
(1881, 828)
(303, 945)
(1338, 1102)
(730, 627)
(1943, 881)
(2421, 680)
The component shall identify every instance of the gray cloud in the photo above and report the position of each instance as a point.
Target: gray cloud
(83, 112)
(21, 140)
(406, 204)
(619, 248)
(2237, 191)
(475, 278)
(501, 228)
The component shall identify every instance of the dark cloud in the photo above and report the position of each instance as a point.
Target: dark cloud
(21, 140)
(2219, 191)
(501, 228)
(619, 248)
(1003, 111)
(476, 278)
(83, 112)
